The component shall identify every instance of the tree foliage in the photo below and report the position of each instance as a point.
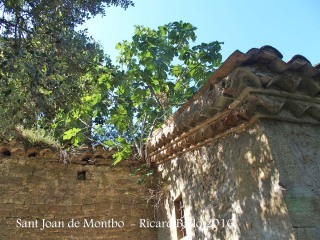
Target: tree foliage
(157, 71)
(57, 78)
(44, 61)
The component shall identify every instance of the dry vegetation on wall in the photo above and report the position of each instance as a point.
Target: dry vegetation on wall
(158, 191)
(36, 137)
(39, 140)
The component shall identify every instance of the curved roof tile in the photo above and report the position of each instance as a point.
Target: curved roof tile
(255, 84)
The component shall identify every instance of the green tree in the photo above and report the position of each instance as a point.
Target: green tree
(44, 61)
(158, 71)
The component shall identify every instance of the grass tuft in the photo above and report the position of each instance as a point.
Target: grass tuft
(37, 137)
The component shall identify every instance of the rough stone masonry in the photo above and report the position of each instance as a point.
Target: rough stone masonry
(40, 198)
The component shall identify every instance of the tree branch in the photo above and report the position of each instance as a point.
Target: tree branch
(4, 21)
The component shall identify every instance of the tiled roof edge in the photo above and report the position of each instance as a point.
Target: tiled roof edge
(238, 58)
(84, 155)
(246, 87)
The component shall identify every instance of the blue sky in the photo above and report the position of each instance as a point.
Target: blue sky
(291, 26)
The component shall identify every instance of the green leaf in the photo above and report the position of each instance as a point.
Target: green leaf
(109, 143)
(44, 91)
(71, 133)
(124, 152)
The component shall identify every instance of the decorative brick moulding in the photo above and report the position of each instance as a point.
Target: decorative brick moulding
(247, 87)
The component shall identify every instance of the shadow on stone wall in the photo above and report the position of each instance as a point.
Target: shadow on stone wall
(233, 178)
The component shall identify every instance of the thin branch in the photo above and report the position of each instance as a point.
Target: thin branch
(155, 96)
(141, 136)
(185, 73)
(4, 21)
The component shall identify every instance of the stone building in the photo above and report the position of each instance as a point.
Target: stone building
(241, 159)
(41, 198)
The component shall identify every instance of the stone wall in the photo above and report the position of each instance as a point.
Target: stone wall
(244, 150)
(297, 154)
(239, 160)
(234, 178)
(267, 183)
(35, 188)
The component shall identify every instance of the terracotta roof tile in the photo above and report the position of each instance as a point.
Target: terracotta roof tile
(246, 87)
(84, 155)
